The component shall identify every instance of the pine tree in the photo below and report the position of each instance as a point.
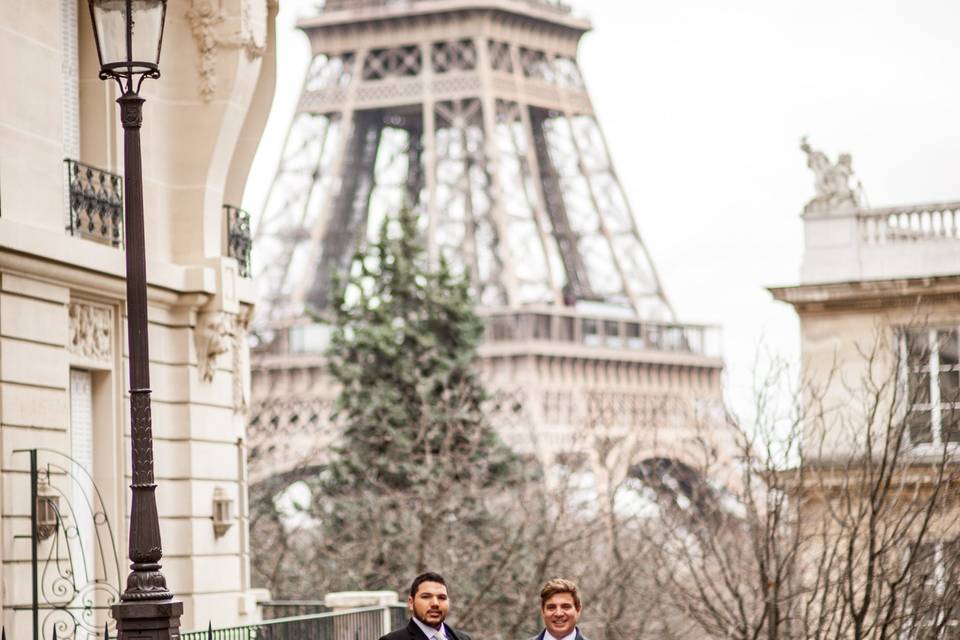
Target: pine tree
(417, 462)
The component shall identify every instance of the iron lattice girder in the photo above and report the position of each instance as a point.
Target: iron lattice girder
(473, 112)
(492, 138)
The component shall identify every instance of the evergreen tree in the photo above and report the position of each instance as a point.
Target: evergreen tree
(417, 464)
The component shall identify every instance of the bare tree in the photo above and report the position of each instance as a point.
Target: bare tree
(840, 525)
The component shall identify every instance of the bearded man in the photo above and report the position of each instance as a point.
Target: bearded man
(429, 604)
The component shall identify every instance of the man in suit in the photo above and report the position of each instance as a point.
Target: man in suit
(560, 610)
(428, 603)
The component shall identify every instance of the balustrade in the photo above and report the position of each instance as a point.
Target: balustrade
(591, 331)
(918, 223)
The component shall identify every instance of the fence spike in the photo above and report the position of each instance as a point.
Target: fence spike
(54, 632)
(106, 631)
(210, 630)
(3, 633)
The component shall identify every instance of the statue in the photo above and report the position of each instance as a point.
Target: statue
(831, 181)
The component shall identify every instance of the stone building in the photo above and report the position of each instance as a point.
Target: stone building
(888, 276)
(879, 309)
(63, 364)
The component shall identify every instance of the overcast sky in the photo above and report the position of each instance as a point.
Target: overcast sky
(703, 104)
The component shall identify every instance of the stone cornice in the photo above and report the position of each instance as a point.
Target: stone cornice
(83, 264)
(600, 354)
(870, 294)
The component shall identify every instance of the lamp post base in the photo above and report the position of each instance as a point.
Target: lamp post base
(148, 620)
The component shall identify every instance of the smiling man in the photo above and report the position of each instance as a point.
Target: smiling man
(428, 603)
(560, 608)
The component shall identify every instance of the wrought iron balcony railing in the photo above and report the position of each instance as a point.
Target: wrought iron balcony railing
(238, 237)
(96, 203)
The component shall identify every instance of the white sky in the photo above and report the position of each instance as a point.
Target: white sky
(703, 104)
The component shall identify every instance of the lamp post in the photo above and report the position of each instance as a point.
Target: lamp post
(128, 35)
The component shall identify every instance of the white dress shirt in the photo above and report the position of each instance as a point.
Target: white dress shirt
(570, 636)
(431, 633)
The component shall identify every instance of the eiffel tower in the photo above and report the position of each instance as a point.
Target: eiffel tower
(474, 113)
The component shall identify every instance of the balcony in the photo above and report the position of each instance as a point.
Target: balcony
(238, 242)
(559, 326)
(95, 203)
(554, 328)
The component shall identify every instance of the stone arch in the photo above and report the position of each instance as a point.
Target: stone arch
(678, 486)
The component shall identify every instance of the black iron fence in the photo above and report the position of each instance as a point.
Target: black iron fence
(96, 203)
(352, 624)
(239, 242)
(398, 616)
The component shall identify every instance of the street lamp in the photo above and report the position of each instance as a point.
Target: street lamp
(128, 35)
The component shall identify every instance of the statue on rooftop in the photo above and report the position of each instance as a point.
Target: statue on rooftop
(832, 181)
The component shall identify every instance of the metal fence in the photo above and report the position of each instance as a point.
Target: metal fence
(367, 623)
(352, 624)
(398, 616)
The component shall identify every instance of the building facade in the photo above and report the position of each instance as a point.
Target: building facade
(879, 309)
(63, 357)
(881, 281)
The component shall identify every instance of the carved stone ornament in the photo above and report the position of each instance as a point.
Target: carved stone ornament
(214, 336)
(91, 331)
(241, 362)
(206, 19)
(217, 333)
(832, 182)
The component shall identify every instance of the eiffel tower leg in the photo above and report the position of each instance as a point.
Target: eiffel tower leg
(503, 232)
(512, 117)
(551, 185)
(305, 287)
(430, 162)
(348, 215)
(292, 198)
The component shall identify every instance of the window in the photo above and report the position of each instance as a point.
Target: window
(935, 577)
(933, 386)
(82, 563)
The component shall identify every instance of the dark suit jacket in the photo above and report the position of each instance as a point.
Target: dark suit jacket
(542, 633)
(413, 632)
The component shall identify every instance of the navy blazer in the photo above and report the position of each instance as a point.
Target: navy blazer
(413, 632)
